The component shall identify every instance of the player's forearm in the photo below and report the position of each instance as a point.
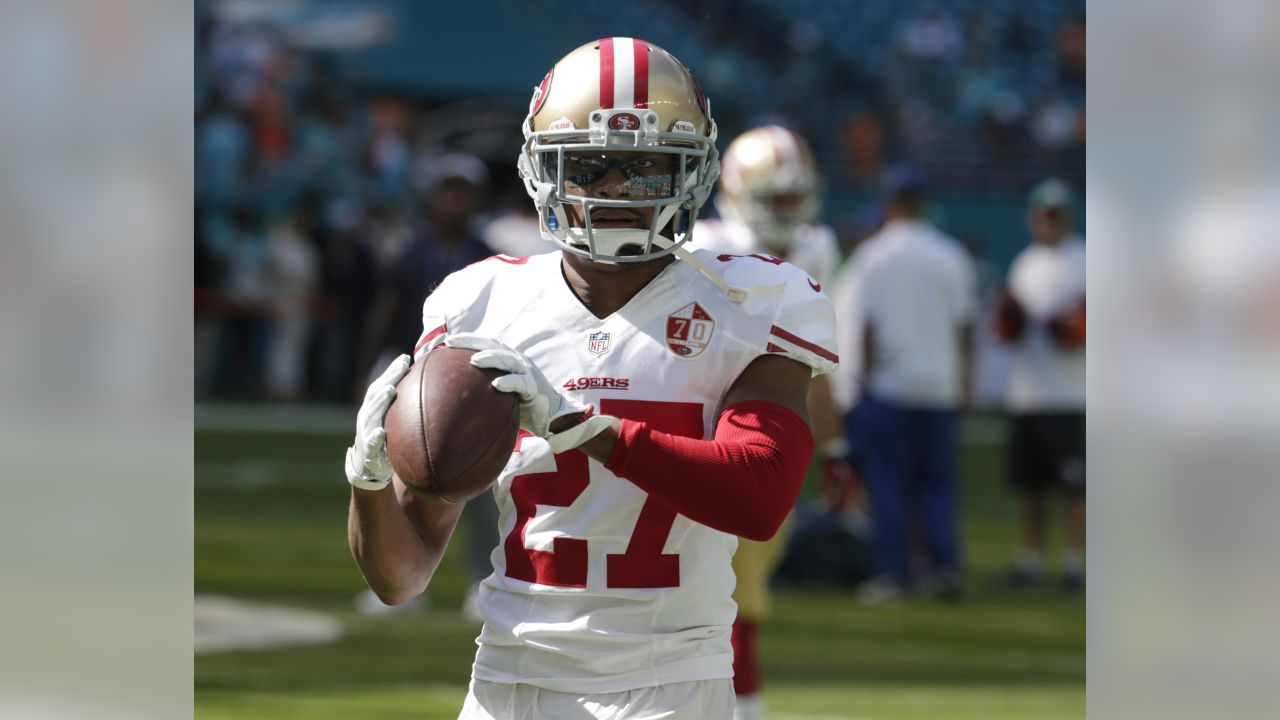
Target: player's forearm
(743, 482)
(601, 446)
(824, 418)
(392, 556)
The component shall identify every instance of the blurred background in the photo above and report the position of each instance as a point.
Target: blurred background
(319, 127)
(348, 155)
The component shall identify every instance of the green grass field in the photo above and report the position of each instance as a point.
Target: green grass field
(271, 523)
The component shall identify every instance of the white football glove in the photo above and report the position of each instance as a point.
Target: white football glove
(368, 467)
(541, 404)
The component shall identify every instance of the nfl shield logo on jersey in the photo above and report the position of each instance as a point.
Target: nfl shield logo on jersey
(689, 330)
(598, 343)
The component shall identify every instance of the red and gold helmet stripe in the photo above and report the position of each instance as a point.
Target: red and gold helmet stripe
(624, 73)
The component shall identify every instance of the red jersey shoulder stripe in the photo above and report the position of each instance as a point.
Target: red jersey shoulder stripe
(801, 342)
(428, 338)
(510, 260)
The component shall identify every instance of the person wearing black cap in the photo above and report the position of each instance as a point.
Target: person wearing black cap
(914, 298)
(453, 187)
(1042, 319)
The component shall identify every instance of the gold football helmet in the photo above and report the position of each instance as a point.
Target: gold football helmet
(616, 132)
(770, 184)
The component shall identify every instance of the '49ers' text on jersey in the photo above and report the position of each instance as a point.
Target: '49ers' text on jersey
(596, 586)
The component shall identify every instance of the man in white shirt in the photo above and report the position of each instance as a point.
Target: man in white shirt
(1042, 319)
(914, 299)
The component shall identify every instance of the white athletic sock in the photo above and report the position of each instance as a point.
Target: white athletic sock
(1072, 562)
(749, 707)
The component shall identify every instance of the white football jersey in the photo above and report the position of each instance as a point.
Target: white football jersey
(596, 586)
(1047, 280)
(813, 249)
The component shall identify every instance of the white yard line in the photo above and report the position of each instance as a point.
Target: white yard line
(813, 716)
(223, 624)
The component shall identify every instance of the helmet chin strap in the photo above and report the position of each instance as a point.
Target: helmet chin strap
(736, 294)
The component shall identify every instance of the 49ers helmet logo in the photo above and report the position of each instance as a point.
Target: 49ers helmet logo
(540, 93)
(689, 330)
(624, 121)
(702, 99)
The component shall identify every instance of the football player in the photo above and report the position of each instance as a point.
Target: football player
(662, 397)
(769, 199)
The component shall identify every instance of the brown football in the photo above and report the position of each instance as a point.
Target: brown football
(449, 433)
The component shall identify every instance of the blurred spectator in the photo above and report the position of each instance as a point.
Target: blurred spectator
(1055, 125)
(240, 250)
(980, 86)
(388, 154)
(1020, 35)
(239, 55)
(1042, 319)
(932, 35)
(223, 147)
(293, 266)
(269, 115)
(1004, 114)
(351, 280)
(452, 187)
(981, 32)
(913, 299)
(1071, 59)
(864, 146)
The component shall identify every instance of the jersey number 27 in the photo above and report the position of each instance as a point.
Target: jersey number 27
(643, 565)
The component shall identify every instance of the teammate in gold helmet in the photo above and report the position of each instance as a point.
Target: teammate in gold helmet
(770, 183)
(770, 195)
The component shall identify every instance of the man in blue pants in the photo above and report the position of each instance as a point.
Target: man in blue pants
(914, 299)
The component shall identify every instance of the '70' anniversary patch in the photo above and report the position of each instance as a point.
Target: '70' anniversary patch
(689, 330)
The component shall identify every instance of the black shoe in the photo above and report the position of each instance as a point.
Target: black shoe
(1020, 579)
(950, 588)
